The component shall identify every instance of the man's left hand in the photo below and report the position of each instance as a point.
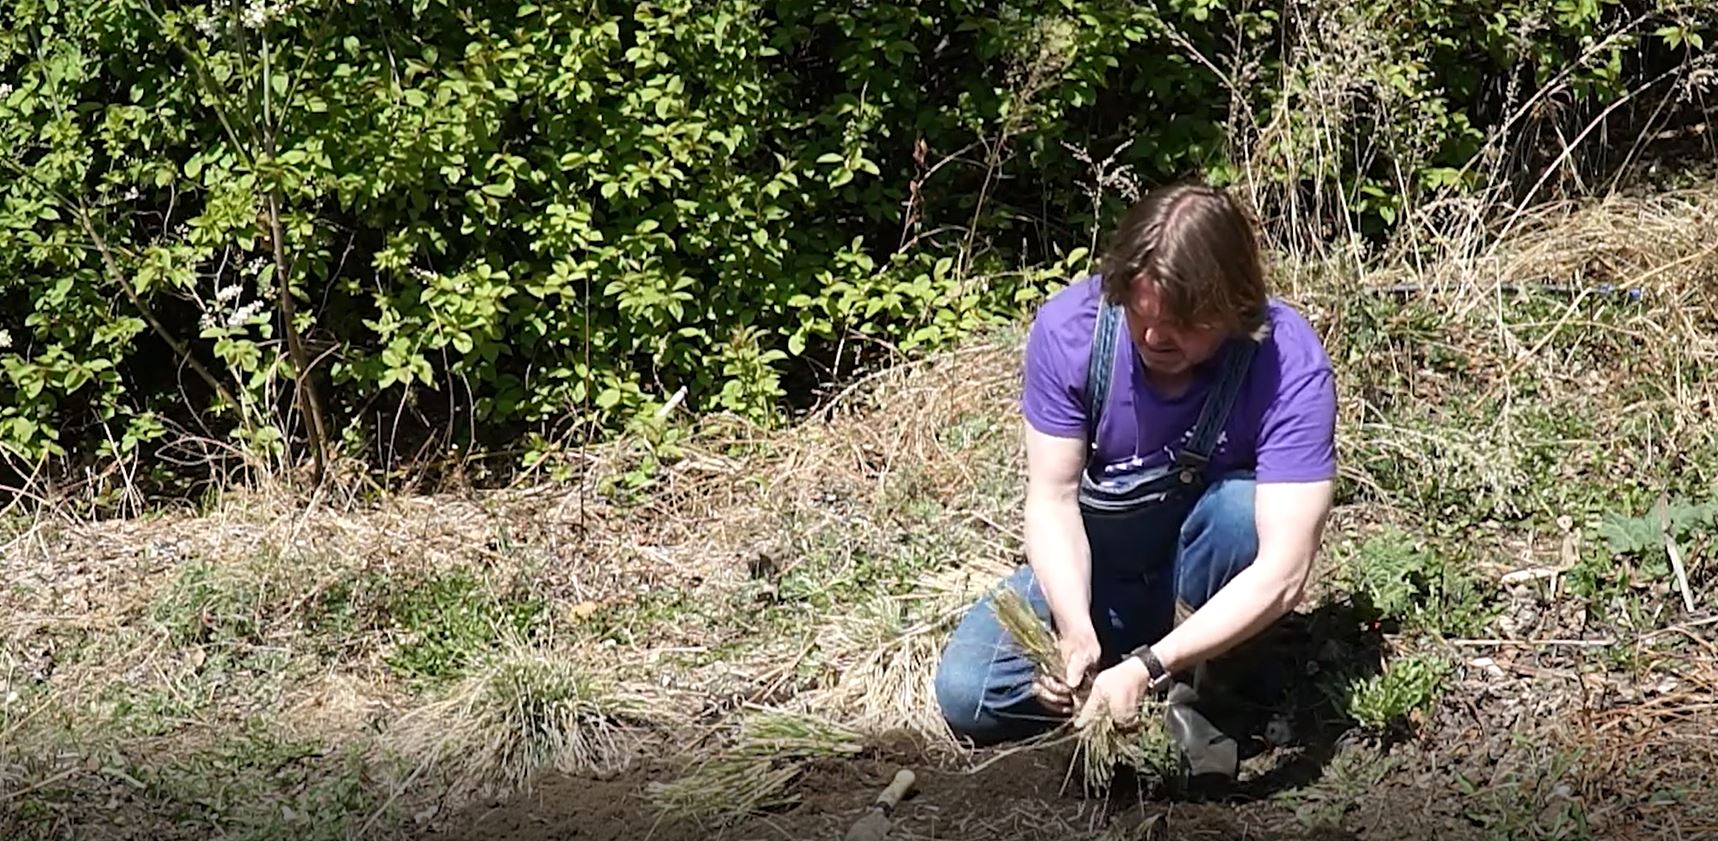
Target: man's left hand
(1121, 688)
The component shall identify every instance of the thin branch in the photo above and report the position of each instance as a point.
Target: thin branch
(148, 313)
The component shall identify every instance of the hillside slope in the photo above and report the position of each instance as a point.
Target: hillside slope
(713, 625)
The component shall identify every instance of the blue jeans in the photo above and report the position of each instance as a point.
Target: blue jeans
(1185, 554)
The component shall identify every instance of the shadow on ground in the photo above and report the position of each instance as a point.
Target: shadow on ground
(1280, 696)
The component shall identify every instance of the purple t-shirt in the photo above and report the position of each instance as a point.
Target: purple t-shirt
(1282, 426)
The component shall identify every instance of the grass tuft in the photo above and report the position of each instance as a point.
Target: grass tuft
(723, 790)
(523, 712)
(755, 772)
(1031, 633)
(884, 656)
(778, 734)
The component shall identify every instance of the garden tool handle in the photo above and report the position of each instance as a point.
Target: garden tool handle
(897, 789)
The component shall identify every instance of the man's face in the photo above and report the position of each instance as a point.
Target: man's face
(1167, 348)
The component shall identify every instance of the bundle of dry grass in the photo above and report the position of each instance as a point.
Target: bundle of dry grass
(724, 789)
(754, 773)
(783, 734)
(1102, 746)
(523, 712)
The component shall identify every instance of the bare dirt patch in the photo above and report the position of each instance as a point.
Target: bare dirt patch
(1018, 796)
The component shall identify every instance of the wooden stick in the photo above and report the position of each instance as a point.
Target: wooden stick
(1675, 553)
(1598, 643)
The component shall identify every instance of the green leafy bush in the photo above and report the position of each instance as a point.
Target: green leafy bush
(373, 228)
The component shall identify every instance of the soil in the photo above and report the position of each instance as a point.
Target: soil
(1023, 794)
(999, 794)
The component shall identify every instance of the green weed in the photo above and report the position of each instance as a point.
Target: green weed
(445, 619)
(1530, 797)
(1353, 775)
(204, 606)
(1402, 581)
(1384, 703)
(255, 784)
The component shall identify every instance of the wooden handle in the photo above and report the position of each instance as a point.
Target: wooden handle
(897, 789)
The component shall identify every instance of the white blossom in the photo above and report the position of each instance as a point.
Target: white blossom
(5, 339)
(255, 14)
(5, 89)
(226, 294)
(244, 314)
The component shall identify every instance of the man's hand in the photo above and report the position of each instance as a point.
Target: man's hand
(1080, 653)
(1119, 689)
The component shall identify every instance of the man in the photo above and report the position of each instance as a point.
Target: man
(1186, 521)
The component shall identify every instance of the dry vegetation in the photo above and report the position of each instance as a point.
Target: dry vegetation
(772, 601)
(713, 615)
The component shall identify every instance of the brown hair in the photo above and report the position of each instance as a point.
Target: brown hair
(1196, 244)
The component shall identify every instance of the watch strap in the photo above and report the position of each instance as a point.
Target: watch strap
(1154, 667)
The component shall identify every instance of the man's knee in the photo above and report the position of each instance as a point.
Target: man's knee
(960, 694)
(980, 679)
(1218, 540)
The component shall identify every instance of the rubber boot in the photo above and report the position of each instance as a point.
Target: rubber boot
(1210, 757)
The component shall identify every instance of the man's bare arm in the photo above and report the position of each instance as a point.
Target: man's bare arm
(1055, 536)
(1290, 519)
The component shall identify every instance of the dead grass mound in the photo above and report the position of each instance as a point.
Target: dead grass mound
(524, 712)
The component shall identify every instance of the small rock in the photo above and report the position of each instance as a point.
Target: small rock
(1489, 665)
(1667, 686)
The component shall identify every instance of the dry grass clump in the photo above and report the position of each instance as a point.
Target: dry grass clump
(1603, 310)
(782, 734)
(884, 655)
(754, 773)
(523, 712)
(723, 790)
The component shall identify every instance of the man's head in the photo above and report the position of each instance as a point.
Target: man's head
(1184, 265)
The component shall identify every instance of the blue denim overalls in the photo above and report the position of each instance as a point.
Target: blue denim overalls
(1120, 509)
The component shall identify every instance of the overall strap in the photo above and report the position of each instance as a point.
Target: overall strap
(1215, 412)
(1099, 369)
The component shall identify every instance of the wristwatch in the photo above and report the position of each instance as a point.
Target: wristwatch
(1159, 675)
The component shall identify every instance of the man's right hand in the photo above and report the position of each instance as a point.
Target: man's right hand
(1080, 653)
